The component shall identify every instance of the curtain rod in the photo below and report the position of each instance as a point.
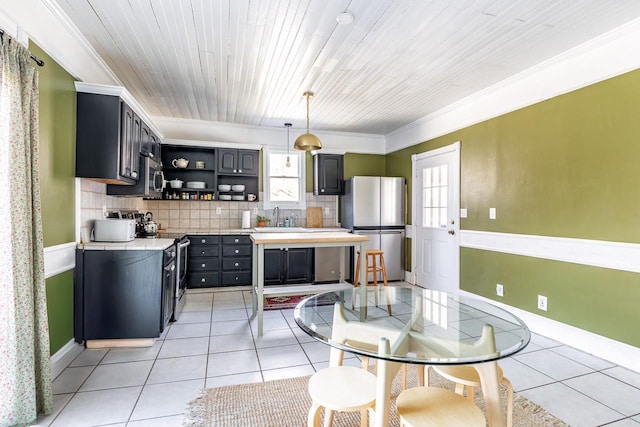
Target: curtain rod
(37, 60)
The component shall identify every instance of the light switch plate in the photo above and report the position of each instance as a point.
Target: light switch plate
(492, 213)
(463, 213)
(218, 210)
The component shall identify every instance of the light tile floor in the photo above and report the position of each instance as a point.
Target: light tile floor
(214, 343)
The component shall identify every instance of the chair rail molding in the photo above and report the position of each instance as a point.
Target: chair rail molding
(59, 258)
(596, 253)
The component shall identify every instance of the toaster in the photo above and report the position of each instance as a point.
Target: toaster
(114, 230)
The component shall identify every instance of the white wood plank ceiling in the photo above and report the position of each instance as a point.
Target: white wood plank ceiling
(249, 61)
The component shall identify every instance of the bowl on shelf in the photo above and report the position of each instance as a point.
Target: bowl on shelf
(224, 187)
(237, 188)
(196, 184)
(176, 183)
(237, 198)
(224, 197)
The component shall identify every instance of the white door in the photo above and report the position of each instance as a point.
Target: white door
(436, 208)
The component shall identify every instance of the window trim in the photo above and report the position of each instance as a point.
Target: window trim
(302, 185)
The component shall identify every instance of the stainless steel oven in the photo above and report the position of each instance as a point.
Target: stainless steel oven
(181, 276)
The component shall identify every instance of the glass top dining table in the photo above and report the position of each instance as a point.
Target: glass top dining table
(416, 326)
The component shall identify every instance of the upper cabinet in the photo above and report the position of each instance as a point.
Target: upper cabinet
(110, 136)
(238, 162)
(328, 174)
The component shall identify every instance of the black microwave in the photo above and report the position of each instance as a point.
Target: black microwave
(149, 185)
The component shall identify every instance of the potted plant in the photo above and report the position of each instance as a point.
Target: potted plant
(262, 221)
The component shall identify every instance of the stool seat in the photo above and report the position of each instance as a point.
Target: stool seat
(466, 375)
(437, 407)
(342, 389)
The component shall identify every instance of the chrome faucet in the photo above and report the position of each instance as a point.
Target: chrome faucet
(276, 215)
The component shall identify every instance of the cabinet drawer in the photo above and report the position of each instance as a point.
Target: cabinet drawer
(236, 264)
(236, 250)
(203, 280)
(203, 251)
(204, 240)
(203, 264)
(236, 278)
(236, 240)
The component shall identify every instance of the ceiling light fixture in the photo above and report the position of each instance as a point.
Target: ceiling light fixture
(344, 18)
(307, 141)
(288, 164)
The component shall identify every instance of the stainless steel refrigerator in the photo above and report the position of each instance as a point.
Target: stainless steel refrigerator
(375, 206)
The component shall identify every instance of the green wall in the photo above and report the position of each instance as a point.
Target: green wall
(57, 167)
(565, 167)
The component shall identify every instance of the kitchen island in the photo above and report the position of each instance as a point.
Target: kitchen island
(276, 240)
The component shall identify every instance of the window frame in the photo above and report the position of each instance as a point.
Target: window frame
(266, 179)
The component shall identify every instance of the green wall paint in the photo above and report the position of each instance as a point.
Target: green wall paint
(363, 165)
(60, 309)
(599, 300)
(566, 167)
(57, 183)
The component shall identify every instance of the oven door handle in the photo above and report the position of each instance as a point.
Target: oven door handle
(184, 243)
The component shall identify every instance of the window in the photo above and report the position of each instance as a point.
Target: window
(434, 197)
(284, 186)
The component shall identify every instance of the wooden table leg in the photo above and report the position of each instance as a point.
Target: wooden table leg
(490, 383)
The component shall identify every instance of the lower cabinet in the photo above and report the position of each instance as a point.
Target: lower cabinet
(118, 294)
(288, 266)
(203, 265)
(219, 260)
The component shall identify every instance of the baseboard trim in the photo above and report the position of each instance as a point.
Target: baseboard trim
(621, 354)
(63, 357)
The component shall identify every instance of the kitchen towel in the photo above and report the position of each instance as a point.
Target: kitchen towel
(246, 219)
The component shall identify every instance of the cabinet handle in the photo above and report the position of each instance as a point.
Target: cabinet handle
(235, 171)
(237, 278)
(322, 191)
(237, 251)
(239, 170)
(202, 252)
(237, 240)
(204, 265)
(204, 241)
(236, 264)
(203, 280)
(134, 174)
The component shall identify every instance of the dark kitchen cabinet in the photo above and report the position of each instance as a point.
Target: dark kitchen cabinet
(149, 142)
(288, 266)
(118, 294)
(236, 260)
(328, 174)
(238, 162)
(108, 139)
(203, 265)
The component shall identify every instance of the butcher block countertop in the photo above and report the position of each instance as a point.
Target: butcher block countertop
(317, 237)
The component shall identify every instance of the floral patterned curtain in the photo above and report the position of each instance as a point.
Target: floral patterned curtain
(25, 370)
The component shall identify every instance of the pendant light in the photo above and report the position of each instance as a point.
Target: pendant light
(307, 141)
(288, 164)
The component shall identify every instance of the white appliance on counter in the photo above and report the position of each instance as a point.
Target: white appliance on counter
(374, 206)
(113, 230)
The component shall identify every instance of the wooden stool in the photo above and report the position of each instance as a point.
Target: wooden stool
(375, 268)
(467, 376)
(342, 389)
(437, 407)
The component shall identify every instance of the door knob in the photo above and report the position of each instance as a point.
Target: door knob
(452, 232)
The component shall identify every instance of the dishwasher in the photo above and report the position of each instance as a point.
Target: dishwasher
(327, 265)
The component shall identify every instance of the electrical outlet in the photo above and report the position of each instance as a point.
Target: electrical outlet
(499, 290)
(542, 302)
(218, 210)
(492, 213)
(104, 211)
(255, 211)
(326, 211)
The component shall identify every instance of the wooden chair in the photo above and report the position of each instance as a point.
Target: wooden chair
(373, 267)
(437, 407)
(341, 389)
(467, 376)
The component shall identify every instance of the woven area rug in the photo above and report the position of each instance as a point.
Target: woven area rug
(289, 302)
(285, 403)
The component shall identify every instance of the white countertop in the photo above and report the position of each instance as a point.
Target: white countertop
(177, 232)
(134, 245)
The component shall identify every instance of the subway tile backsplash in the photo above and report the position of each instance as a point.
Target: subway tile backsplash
(183, 214)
